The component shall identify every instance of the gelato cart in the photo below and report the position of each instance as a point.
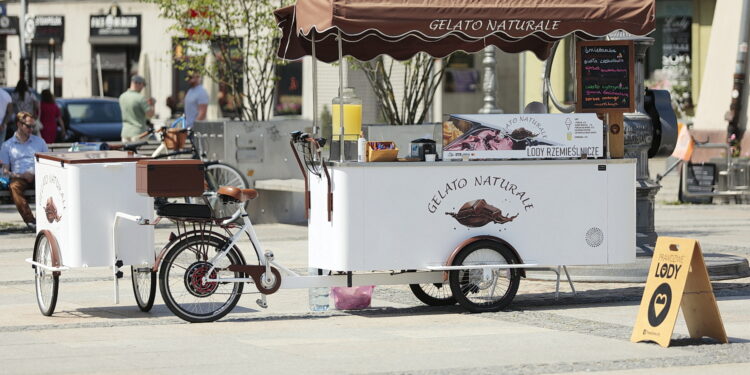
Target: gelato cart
(89, 215)
(504, 198)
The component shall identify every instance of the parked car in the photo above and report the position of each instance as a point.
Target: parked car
(12, 89)
(91, 119)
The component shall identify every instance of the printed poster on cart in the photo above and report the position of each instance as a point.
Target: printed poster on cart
(523, 136)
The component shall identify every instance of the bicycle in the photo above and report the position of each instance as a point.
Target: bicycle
(216, 173)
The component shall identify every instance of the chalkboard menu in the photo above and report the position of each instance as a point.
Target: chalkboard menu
(605, 76)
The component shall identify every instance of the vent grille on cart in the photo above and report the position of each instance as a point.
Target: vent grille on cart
(594, 237)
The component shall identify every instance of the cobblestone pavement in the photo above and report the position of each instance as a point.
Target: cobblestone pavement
(588, 332)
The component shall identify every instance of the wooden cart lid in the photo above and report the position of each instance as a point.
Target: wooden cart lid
(89, 157)
(170, 162)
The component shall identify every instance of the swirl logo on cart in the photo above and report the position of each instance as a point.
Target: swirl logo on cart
(52, 192)
(525, 127)
(478, 213)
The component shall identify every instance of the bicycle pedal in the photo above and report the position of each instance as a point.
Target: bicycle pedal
(261, 303)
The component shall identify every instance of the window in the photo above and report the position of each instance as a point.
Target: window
(288, 89)
(669, 62)
(184, 55)
(460, 75)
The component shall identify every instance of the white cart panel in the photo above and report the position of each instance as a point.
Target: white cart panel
(77, 202)
(392, 216)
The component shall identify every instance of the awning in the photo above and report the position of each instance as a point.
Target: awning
(401, 28)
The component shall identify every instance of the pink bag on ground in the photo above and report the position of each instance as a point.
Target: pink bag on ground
(358, 297)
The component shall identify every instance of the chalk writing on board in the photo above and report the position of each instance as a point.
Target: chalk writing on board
(605, 81)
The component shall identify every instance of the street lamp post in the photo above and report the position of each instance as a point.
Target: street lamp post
(488, 81)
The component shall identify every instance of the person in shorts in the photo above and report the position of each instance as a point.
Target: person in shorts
(136, 110)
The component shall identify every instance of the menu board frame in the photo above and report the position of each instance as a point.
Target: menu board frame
(580, 65)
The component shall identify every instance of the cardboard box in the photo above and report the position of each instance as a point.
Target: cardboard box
(374, 154)
(170, 178)
(523, 136)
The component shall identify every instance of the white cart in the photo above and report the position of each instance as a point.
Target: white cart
(89, 215)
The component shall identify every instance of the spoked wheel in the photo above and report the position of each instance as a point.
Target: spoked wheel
(484, 289)
(433, 294)
(218, 175)
(181, 282)
(46, 282)
(144, 286)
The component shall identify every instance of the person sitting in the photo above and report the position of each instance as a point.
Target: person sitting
(17, 159)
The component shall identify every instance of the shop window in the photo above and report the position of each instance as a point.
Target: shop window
(44, 69)
(187, 54)
(288, 89)
(669, 62)
(460, 74)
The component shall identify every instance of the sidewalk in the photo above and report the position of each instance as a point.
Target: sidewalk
(539, 334)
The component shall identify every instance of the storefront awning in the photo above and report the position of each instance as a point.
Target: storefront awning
(401, 28)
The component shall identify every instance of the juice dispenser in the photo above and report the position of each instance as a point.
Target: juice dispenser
(352, 114)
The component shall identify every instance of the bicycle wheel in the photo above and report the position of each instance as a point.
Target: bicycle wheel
(433, 294)
(218, 175)
(46, 282)
(484, 290)
(181, 279)
(144, 287)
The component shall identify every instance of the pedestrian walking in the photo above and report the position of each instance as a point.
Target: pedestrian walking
(6, 109)
(24, 101)
(196, 101)
(51, 118)
(136, 110)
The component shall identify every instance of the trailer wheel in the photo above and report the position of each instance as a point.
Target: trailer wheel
(144, 287)
(46, 282)
(484, 289)
(433, 294)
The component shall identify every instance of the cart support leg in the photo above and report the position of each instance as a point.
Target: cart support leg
(569, 280)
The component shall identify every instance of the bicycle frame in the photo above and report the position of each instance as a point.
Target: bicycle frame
(247, 227)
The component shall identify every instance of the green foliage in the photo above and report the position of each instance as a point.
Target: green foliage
(243, 36)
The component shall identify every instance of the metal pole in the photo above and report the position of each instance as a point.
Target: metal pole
(99, 74)
(22, 40)
(734, 128)
(488, 81)
(341, 98)
(314, 88)
(52, 66)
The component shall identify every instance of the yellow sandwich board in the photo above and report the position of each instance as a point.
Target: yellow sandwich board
(677, 278)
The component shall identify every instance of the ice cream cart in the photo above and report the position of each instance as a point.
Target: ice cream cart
(456, 231)
(89, 215)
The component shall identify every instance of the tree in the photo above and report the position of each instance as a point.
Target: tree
(243, 36)
(421, 79)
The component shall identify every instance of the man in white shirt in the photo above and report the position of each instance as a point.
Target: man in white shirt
(196, 101)
(6, 104)
(17, 159)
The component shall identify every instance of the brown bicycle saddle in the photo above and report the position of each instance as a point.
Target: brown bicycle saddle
(238, 194)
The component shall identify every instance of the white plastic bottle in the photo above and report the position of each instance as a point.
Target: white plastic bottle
(361, 148)
(319, 296)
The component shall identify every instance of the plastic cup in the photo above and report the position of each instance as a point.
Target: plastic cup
(429, 157)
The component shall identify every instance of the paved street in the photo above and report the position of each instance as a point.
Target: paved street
(589, 332)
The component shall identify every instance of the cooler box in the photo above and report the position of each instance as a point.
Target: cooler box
(170, 178)
(77, 196)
